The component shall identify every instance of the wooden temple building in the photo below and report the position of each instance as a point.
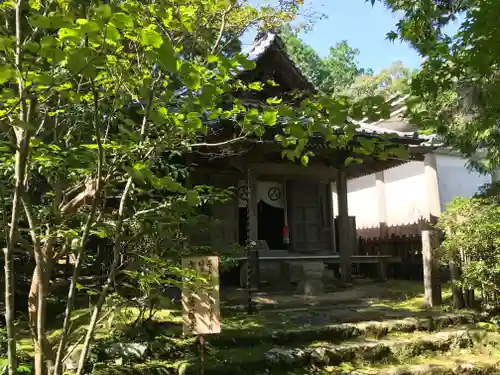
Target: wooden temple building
(296, 216)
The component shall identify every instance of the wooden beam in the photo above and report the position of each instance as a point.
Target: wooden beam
(317, 172)
(345, 246)
(382, 204)
(252, 205)
(331, 211)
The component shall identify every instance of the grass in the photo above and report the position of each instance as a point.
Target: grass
(389, 298)
(409, 296)
(481, 357)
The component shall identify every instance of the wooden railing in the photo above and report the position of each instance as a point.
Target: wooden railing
(407, 248)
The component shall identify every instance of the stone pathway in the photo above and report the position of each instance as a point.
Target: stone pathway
(347, 332)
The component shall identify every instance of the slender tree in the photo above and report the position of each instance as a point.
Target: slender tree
(94, 95)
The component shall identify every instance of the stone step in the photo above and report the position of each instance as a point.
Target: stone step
(458, 369)
(478, 361)
(169, 347)
(394, 349)
(339, 332)
(469, 366)
(450, 352)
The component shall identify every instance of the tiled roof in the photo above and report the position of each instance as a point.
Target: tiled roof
(262, 44)
(266, 41)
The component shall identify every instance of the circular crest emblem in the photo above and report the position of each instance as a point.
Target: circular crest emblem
(274, 193)
(243, 192)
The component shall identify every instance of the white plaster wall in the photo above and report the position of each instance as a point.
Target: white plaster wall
(362, 201)
(454, 179)
(406, 194)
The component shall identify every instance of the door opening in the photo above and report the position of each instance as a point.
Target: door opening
(271, 221)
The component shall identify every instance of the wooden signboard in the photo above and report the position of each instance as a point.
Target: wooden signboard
(200, 300)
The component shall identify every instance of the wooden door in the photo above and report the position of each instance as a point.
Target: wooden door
(224, 228)
(305, 216)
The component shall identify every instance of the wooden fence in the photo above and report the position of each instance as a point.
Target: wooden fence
(407, 248)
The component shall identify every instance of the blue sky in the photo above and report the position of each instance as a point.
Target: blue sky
(365, 28)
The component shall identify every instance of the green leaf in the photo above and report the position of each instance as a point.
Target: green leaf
(33, 47)
(255, 86)
(60, 21)
(401, 153)
(193, 120)
(348, 161)
(192, 81)
(269, 117)
(151, 38)
(245, 62)
(87, 26)
(193, 198)
(304, 160)
(252, 115)
(48, 41)
(384, 155)
(6, 73)
(127, 132)
(212, 59)
(35, 4)
(215, 114)
(135, 174)
(103, 11)
(168, 58)
(368, 144)
(68, 34)
(122, 21)
(42, 22)
(391, 35)
(273, 101)
(78, 60)
(112, 35)
(6, 42)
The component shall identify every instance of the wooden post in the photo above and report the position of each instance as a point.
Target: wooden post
(430, 235)
(333, 235)
(495, 174)
(252, 236)
(286, 241)
(202, 354)
(345, 244)
(382, 269)
(252, 206)
(382, 204)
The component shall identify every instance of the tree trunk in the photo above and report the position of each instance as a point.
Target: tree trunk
(470, 298)
(9, 310)
(37, 311)
(83, 240)
(20, 171)
(33, 302)
(457, 293)
(432, 285)
(109, 282)
(22, 140)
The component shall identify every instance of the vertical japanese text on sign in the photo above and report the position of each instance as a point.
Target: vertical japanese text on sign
(200, 298)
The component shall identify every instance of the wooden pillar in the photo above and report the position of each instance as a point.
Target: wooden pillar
(495, 176)
(252, 206)
(253, 229)
(345, 243)
(333, 235)
(382, 204)
(430, 235)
